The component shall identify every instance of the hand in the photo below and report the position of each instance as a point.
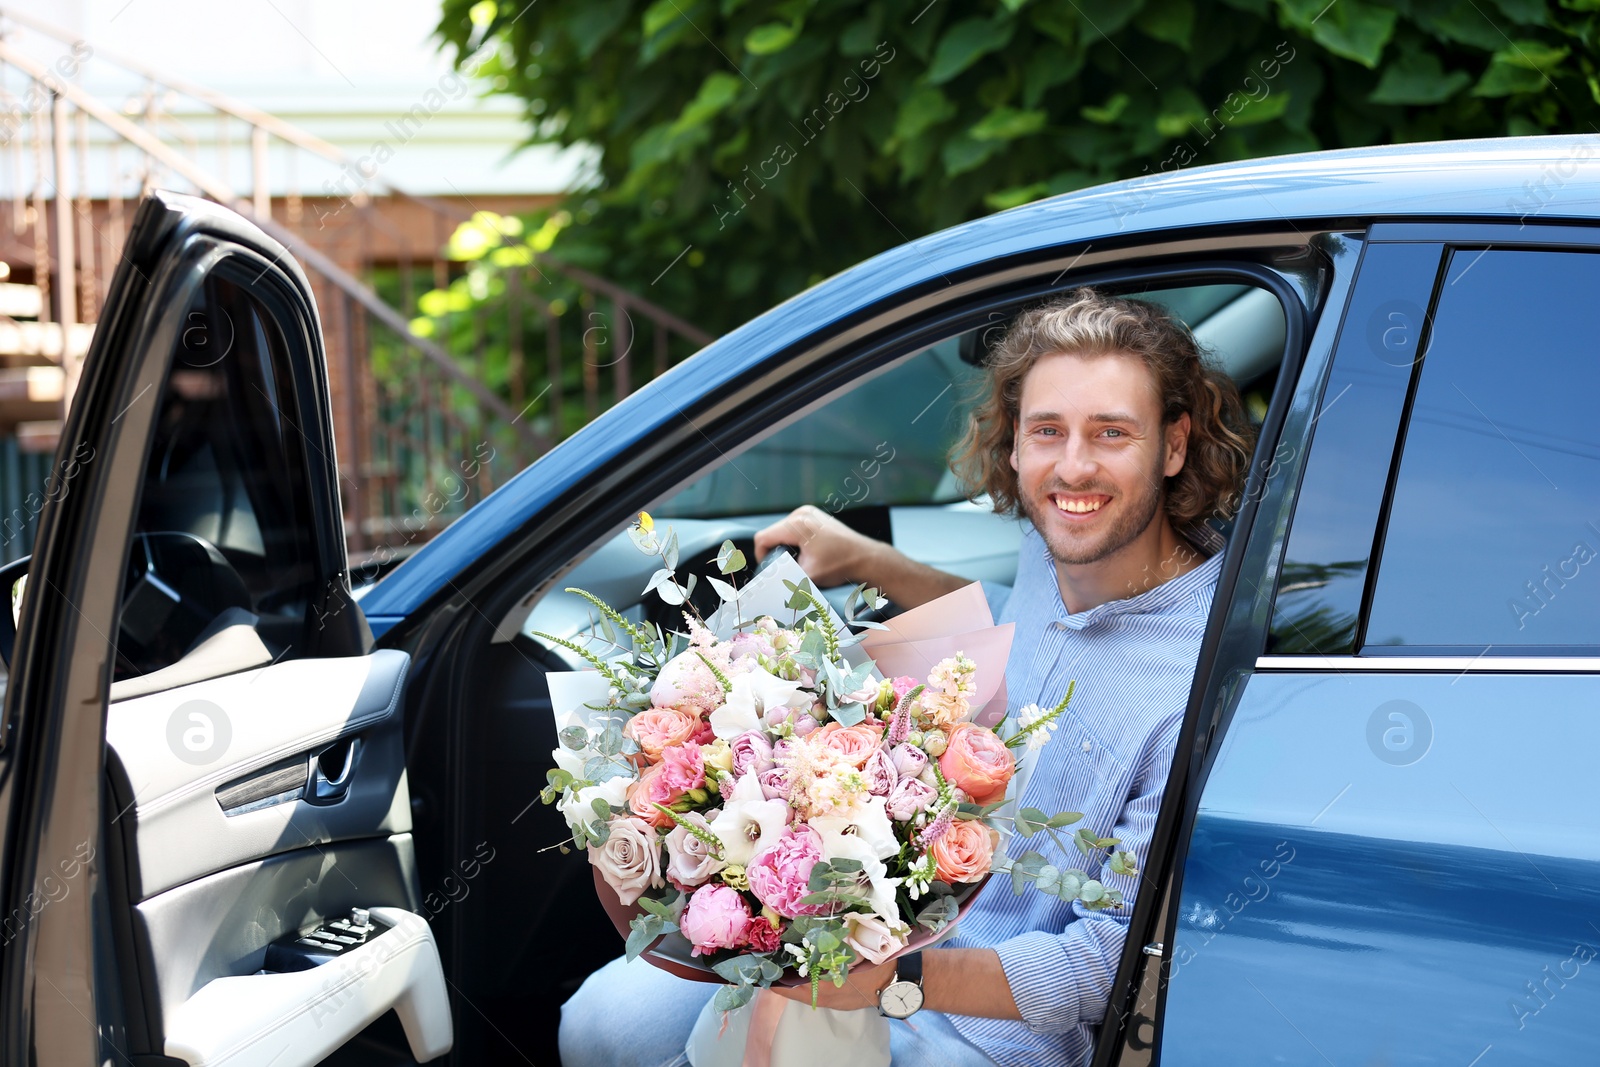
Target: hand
(860, 989)
(831, 553)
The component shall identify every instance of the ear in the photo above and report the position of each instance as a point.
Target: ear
(1177, 444)
(1014, 461)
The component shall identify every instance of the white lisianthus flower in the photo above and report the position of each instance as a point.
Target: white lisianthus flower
(578, 805)
(866, 822)
(874, 877)
(754, 693)
(749, 822)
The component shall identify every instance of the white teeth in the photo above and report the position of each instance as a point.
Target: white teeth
(1078, 507)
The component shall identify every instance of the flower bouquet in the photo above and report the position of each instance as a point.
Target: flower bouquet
(765, 805)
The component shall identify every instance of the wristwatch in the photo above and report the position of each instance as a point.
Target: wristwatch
(902, 997)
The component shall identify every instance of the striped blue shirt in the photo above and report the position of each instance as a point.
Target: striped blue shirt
(1133, 661)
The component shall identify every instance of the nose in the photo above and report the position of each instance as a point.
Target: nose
(1076, 463)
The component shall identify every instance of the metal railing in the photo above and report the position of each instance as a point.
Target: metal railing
(426, 424)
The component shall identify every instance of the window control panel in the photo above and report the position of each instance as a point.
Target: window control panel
(329, 941)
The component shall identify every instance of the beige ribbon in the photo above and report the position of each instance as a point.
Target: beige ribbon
(764, 1018)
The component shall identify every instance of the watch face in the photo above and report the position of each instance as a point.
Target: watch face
(900, 1000)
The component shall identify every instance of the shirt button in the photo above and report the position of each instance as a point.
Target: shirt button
(1087, 746)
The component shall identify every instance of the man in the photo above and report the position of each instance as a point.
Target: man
(1104, 428)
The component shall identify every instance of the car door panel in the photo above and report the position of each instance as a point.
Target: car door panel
(247, 755)
(1395, 876)
(174, 810)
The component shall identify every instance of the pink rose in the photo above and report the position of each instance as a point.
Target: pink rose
(872, 937)
(908, 797)
(978, 762)
(659, 728)
(716, 917)
(855, 743)
(908, 760)
(902, 686)
(689, 860)
(965, 851)
(686, 682)
(648, 790)
(880, 773)
(629, 859)
(779, 875)
(683, 768)
(752, 751)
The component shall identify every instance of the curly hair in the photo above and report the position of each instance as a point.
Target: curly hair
(1088, 322)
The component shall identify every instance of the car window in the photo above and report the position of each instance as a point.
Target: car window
(884, 442)
(224, 528)
(1493, 531)
(887, 441)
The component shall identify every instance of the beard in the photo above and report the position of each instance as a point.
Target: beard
(1136, 514)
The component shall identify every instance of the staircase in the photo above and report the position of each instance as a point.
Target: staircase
(425, 423)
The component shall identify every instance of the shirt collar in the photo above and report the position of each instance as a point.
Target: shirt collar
(1164, 597)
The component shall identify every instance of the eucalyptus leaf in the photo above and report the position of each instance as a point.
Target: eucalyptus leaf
(850, 714)
(669, 551)
(1030, 821)
(724, 590)
(732, 997)
(643, 930)
(575, 738)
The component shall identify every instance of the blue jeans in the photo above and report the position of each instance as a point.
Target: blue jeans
(635, 1015)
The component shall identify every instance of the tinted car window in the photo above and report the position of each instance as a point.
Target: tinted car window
(1494, 530)
(224, 518)
(1341, 495)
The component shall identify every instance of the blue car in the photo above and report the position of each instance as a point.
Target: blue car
(252, 815)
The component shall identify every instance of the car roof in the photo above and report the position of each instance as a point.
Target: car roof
(1520, 178)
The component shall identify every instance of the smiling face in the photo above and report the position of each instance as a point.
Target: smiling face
(1092, 455)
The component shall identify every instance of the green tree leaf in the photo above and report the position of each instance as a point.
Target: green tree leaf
(964, 43)
(1418, 78)
(771, 38)
(1171, 21)
(1008, 123)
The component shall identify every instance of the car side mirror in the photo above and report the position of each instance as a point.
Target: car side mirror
(13, 580)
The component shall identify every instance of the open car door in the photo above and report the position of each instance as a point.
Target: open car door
(207, 850)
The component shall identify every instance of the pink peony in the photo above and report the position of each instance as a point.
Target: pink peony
(689, 860)
(629, 859)
(752, 751)
(909, 796)
(716, 917)
(779, 874)
(683, 768)
(880, 773)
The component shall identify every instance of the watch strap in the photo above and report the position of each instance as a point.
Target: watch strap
(908, 968)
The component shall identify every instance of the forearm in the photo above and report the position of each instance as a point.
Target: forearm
(967, 981)
(901, 578)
